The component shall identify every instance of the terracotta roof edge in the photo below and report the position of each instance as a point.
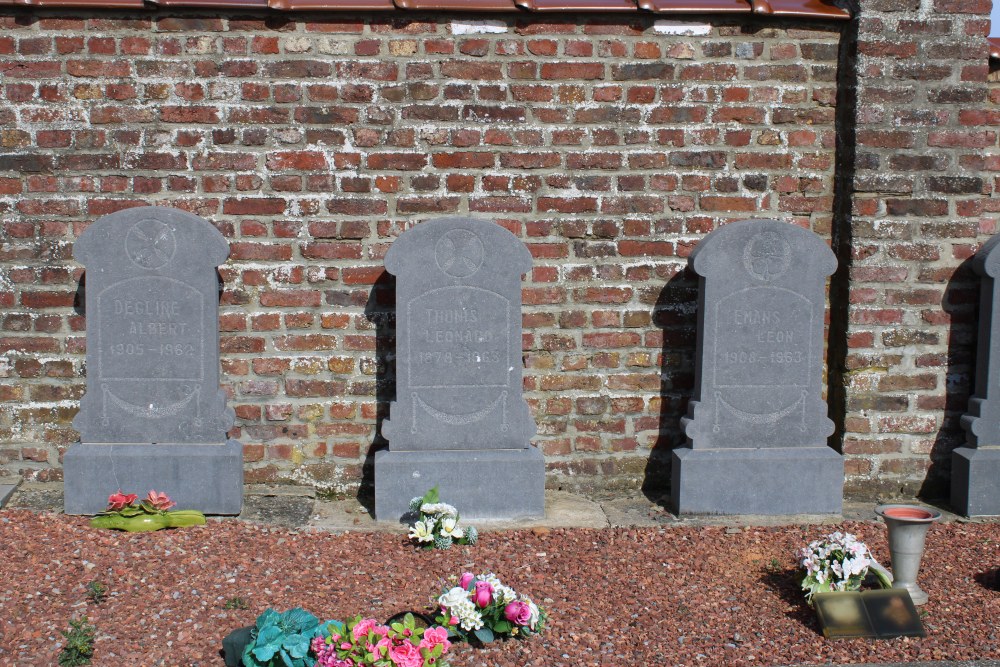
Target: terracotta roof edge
(816, 9)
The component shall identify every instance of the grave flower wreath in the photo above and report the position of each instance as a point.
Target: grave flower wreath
(150, 513)
(482, 608)
(296, 638)
(839, 562)
(438, 525)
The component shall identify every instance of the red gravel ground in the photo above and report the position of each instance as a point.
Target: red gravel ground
(643, 596)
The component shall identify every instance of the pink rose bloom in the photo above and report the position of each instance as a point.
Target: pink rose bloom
(381, 630)
(363, 627)
(517, 612)
(453, 620)
(434, 636)
(483, 593)
(406, 655)
(384, 642)
(466, 580)
(159, 501)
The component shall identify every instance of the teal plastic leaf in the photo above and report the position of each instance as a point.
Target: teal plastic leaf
(485, 635)
(296, 645)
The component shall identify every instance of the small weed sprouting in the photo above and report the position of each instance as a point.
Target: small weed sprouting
(236, 603)
(79, 648)
(97, 592)
(774, 566)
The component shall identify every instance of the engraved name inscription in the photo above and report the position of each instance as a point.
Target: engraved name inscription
(148, 337)
(463, 345)
(760, 345)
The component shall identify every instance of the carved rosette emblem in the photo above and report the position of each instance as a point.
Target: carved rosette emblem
(150, 244)
(459, 253)
(767, 256)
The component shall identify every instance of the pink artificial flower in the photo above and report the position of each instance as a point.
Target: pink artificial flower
(363, 627)
(517, 612)
(118, 501)
(385, 642)
(466, 579)
(406, 655)
(434, 636)
(483, 594)
(159, 501)
(453, 620)
(381, 630)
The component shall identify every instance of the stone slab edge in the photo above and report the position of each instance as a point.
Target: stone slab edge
(205, 477)
(482, 484)
(780, 480)
(975, 481)
(7, 487)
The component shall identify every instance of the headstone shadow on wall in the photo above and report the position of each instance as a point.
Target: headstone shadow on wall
(959, 302)
(675, 314)
(975, 468)
(459, 420)
(757, 427)
(380, 311)
(153, 415)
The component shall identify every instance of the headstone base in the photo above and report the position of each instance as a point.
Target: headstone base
(975, 481)
(772, 481)
(485, 484)
(206, 477)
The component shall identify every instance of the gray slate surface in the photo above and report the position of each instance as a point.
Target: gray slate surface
(975, 479)
(153, 415)
(459, 420)
(152, 329)
(758, 425)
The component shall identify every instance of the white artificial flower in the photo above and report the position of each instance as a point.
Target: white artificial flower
(533, 621)
(504, 594)
(450, 527)
(453, 599)
(441, 509)
(421, 532)
(492, 579)
(469, 617)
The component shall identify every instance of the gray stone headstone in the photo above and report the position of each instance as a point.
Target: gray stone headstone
(153, 415)
(975, 469)
(459, 420)
(757, 426)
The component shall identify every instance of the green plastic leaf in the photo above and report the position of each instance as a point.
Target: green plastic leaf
(432, 496)
(398, 627)
(408, 621)
(485, 635)
(502, 627)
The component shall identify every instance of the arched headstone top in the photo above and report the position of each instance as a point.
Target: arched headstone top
(765, 252)
(462, 250)
(152, 298)
(987, 260)
(152, 240)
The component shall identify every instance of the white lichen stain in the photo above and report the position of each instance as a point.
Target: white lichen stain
(486, 26)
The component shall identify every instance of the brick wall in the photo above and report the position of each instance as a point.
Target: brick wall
(925, 144)
(609, 145)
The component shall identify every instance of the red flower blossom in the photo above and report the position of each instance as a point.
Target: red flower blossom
(118, 501)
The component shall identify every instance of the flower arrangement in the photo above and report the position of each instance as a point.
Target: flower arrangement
(438, 526)
(150, 513)
(364, 641)
(839, 562)
(482, 607)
